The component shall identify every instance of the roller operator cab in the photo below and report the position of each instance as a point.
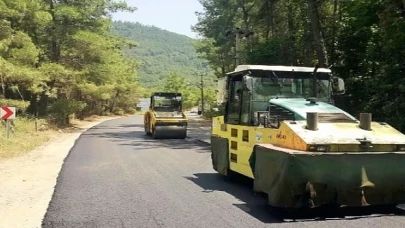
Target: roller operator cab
(281, 129)
(165, 117)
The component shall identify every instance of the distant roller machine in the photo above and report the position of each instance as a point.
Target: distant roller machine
(165, 118)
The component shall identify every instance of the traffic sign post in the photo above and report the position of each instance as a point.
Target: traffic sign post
(7, 114)
(7, 128)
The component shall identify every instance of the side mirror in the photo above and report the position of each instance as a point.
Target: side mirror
(338, 86)
(247, 83)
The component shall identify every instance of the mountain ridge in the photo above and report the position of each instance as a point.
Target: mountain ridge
(159, 52)
(153, 27)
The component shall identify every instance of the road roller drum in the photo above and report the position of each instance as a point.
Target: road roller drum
(165, 118)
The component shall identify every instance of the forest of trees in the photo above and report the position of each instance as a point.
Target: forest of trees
(167, 61)
(63, 57)
(362, 41)
(59, 57)
(159, 52)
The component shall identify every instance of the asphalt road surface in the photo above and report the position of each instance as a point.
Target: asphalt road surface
(115, 176)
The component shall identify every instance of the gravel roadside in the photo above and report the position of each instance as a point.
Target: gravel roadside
(27, 182)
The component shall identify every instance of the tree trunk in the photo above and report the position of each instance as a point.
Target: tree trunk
(334, 28)
(403, 8)
(272, 30)
(292, 34)
(54, 53)
(67, 119)
(114, 101)
(245, 13)
(317, 34)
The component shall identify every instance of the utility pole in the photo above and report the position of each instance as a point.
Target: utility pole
(201, 87)
(202, 94)
(238, 34)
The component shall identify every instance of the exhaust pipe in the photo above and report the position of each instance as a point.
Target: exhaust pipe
(365, 121)
(312, 121)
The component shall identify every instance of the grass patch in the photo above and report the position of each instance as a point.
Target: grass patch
(24, 138)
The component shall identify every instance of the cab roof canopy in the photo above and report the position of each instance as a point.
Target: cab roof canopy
(166, 94)
(281, 71)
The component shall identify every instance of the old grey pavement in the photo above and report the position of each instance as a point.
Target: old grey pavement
(116, 176)
(199, 129)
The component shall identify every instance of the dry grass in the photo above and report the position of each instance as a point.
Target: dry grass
(25, 138)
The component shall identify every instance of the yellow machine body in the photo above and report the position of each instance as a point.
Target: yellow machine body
(165, 118)
(337, 162)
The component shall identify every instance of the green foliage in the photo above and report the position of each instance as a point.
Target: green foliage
(21, 106)
(60, 57)
(177, 83)
(167, 62)
(119, 111)
(215, 110)
(62, 109)
(160, 53)
(174, 83)
(364, 44)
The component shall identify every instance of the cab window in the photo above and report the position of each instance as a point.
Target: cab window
(234, 105)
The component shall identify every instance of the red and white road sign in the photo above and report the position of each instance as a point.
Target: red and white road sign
(7, 112)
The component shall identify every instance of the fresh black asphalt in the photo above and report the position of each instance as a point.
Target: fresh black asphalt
(116, 176)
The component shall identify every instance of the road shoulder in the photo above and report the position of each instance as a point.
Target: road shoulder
(27, 182)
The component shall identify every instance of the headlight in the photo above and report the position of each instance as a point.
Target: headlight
(318, 148)
(400, 147)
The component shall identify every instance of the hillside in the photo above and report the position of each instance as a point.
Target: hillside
(159, 52)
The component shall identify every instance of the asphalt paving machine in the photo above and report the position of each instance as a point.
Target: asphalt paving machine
(165, 117)
(281, 129)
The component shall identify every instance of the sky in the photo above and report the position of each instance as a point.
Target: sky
(173, 15)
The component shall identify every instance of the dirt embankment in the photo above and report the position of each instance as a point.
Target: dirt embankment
(27, 181)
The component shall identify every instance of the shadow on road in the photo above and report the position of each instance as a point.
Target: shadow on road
(131, 125)
(256, 204)
(253, 204)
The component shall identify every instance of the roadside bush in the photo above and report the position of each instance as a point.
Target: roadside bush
(119, 112)
(216, 110)
(130, 111)
(61, 110)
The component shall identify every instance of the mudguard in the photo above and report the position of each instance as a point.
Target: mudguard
(220, 154)
(350, 179)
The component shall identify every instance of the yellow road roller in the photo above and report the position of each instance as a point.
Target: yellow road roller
(281, 128)
(165, 117)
